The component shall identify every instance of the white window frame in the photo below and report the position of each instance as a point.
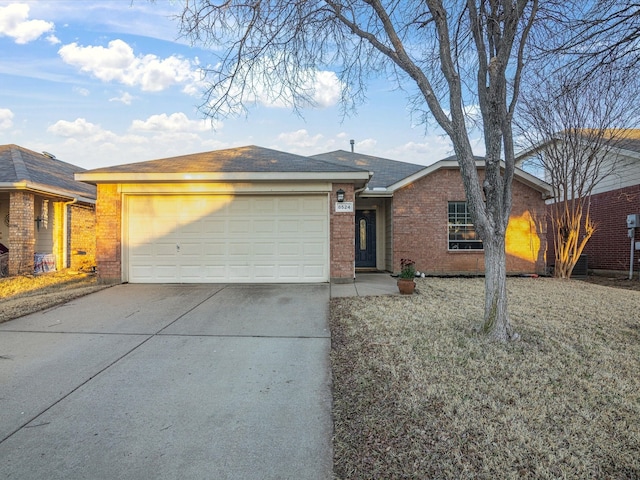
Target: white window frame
(462, 220)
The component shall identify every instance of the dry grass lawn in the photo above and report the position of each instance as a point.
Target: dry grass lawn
(22, 295)
(418, 395)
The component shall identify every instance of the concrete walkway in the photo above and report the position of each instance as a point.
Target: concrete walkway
(366, 284)
(170, 382)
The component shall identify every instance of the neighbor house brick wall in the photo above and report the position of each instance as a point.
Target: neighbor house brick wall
(342, 237)
(420, 217)
(608, 248)
(21, 233)
(108, 233)
(82, 237)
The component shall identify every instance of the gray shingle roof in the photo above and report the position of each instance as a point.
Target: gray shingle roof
(18, 164)
(385, 172)
(232, 160)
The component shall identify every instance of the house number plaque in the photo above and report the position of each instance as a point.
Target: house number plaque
(344, 207)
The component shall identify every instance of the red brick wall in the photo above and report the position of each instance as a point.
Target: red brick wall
(420, 216)
(108, 233)
(21, 233)
(608, 248)
(82, 238)
(342, 236)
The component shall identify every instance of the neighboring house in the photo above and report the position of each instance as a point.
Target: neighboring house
(253, 214)
(613, 198)
(47, 218)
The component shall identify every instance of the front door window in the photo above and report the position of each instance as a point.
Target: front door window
(365, 238)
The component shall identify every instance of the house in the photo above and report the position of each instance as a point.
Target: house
(253, 214)
(47, 218)
(420, 213)
(613, 198)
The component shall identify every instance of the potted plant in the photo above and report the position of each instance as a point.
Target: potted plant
(406, 283)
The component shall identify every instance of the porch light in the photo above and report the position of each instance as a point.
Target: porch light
(340, 195)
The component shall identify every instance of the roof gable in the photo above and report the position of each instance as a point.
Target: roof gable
(21, 168)
(452, 164)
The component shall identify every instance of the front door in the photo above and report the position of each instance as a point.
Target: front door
(365, 238)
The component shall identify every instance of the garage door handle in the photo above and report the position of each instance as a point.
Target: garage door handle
(177, 247)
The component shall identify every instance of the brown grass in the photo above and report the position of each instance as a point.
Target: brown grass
(22, 295)
(418, 395)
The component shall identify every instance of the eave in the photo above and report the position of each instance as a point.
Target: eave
(359, 178)
(45, 191)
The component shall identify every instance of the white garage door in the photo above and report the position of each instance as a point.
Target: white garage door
(225, 238)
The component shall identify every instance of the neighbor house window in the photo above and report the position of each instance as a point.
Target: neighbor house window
(462, 233)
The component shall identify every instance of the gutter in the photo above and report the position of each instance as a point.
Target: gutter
(44, 191)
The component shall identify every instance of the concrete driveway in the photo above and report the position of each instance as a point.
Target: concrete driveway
(170, 382)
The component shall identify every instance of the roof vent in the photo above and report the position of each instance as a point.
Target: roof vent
(50, 155)
(352, 142)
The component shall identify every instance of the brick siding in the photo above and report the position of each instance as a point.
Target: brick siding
(342, 237)
(420, 217)
(82, 237)
(108, 233)
(21, 233)
(608, 248)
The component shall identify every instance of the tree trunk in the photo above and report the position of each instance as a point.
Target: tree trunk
(496, 318)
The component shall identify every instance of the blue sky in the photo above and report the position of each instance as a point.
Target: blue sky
(106, 82)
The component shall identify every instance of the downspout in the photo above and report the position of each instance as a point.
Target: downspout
(65, 231)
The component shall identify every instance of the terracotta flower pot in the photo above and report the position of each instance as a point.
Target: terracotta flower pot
(406, 286)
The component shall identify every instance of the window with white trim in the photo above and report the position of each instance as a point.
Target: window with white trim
(462, 232)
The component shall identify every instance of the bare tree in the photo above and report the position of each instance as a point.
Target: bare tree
(452, 54)
(592, 36)
(571, 125)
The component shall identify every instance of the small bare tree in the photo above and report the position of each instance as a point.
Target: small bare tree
(571, 125)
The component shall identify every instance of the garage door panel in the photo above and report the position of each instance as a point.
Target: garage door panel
(313, 249)
(264, 227)
(288, 227)
(310, 226)
(289, 249)
(221, 238)
(261, 249)
(265, 272)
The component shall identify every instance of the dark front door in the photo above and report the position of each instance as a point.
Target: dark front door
(365, 238)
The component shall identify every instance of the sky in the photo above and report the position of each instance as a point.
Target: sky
(108, 82)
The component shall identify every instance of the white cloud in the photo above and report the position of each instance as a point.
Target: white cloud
(6, 118)
(367, 144)
(299, 139)
(315, 88)
(176, 122)
(326, 88)
(436, 147)
(81, 91)
(125, 98)
(53, 40)
(14, 24)
(118, 63)
(78, 128)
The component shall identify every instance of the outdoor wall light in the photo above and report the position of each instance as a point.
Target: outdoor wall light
(340, 195)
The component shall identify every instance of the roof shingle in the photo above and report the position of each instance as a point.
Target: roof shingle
(385, 172)
(19, 164)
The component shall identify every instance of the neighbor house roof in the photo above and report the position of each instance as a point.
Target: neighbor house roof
(24, 169)
(627, 143)
(385, 172)
(248, 163)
